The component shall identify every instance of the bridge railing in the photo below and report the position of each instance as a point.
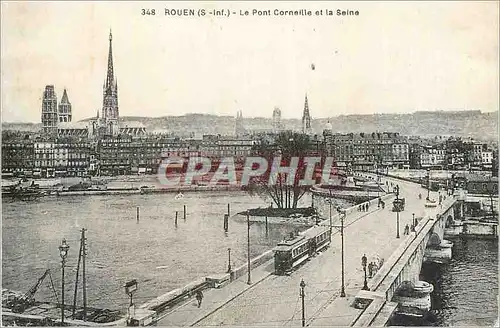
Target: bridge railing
(396, 256)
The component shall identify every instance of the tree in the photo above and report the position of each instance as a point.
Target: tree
(288, 145)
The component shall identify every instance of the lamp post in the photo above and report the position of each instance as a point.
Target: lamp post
(130, 288)
(330, 202)
(249, 280)
(229, 260)
(414, 222)
(302, 295)
(363, 263)
(428, 184)
(63, 252)
(342, 217)
(396, 205)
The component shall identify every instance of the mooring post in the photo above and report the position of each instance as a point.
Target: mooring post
(176, 213)
(184, 212)
(228, 209)
(137, 213)
(226, 222)
(266, 225)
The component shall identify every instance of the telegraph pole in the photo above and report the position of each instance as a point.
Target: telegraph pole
(302, 295)
(77, 273)
(84, 280)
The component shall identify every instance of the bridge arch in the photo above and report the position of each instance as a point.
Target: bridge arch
(406, 288)
(449, 221)
(434, 240)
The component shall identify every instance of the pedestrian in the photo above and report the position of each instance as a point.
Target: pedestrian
(407, 229)
(367, 206)
(370, 270)
(199, 297)
(383, 205)
(412, 228)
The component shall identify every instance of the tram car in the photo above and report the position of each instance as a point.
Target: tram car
(289, 254)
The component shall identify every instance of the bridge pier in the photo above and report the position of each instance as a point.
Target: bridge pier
(414, 299)
(441, 253)
(438, 250)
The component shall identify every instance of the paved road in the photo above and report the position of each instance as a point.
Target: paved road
(275, 300)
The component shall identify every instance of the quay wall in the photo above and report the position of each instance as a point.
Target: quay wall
(479, 229)
(255, 262)
(413, 180)
(472, 229)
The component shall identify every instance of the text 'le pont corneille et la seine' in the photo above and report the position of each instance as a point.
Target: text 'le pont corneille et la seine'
(175, 12)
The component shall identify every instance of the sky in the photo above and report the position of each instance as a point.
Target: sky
(394, 57)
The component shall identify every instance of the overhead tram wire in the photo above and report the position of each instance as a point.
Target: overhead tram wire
(294, 312)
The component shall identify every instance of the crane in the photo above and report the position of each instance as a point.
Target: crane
(20, 304)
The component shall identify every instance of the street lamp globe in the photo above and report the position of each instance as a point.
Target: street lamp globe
(63, 249)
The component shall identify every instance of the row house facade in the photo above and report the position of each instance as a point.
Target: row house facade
(126, 155)
(18, 158)
(365, 151)
(221, 146)
(468, 155)
(45, 158)
(44, 165)
(433, 157)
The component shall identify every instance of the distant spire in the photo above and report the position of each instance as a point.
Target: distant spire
(306, 118)
(64, 99)
(110, 76)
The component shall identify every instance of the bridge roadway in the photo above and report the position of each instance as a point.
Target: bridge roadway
(274, 300)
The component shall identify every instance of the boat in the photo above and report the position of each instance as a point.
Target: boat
(180, 195)
(24, 190)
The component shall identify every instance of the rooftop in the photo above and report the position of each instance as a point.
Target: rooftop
(73, 125)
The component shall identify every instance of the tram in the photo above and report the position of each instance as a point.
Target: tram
(289, 254)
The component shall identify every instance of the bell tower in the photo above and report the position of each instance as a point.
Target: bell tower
(110, 111)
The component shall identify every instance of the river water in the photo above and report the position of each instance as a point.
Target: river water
(156, 253)
(466, 289)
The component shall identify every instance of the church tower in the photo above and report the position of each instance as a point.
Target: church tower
(65, 108)
(110, 113)
(49, 111)
(239, 129)
(306, 119)
(277, 127)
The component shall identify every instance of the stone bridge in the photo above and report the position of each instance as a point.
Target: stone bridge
(396, 286)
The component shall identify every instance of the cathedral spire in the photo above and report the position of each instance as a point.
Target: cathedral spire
(110, 113)
(110, 76)
(306, 118)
